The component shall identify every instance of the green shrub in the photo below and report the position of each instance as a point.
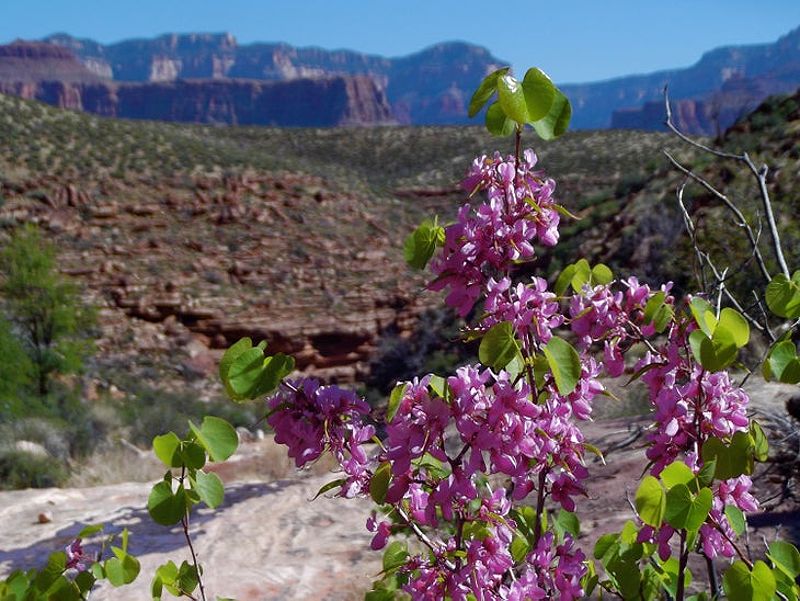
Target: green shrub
(20, 469)
(147, 412)
(48, 433)
(16, 369)
(44, 308)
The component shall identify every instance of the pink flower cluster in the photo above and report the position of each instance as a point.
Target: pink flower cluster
(531, 309)
(518, 211)
(690, 406)
(550, 570)
(76, 556)
(487, 559)
(553, 569)
(310, 419)
(601, 314)
(417, 427)
(446, 441)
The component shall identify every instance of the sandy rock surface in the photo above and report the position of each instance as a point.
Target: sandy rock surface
(267, 542)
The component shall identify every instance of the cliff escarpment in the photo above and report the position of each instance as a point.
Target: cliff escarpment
(51, 74)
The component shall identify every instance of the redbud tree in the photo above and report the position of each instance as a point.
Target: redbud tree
(471, 462)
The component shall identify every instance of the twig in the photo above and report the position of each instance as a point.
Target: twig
(692, 231)
(736, 548)
(423, 538)
(684, 557)
(539, 506)
(720, 277)
(629, 440)
(185, 524)
(713, 580)
(687, 139)
(761, 176)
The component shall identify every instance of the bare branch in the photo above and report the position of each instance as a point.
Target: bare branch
(692, 231)
(423, 538)
(740, 218)
(687, 139)
(720, 277)
(760, 174)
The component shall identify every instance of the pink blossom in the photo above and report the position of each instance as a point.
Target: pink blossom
(76, 556)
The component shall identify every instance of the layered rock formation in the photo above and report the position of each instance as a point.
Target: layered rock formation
(192, 269)
(35, 62)
(432, 86)
(53, 75)
(710, 114)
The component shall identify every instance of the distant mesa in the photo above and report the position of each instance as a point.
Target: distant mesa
(55, 75)
(211, 78)
(23, 61)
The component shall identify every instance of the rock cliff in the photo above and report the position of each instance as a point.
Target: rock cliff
(52, 74)
(710, 114)
(432, 86)
(27, 62)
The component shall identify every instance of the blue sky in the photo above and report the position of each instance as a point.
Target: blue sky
(579, 40)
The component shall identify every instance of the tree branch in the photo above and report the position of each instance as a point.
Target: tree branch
(760, 174)
(740, 218)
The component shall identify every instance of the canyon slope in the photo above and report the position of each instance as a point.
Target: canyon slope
(188, 237)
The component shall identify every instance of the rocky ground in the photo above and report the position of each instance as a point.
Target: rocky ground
(188, 238)
(180, 273)
(268, 542)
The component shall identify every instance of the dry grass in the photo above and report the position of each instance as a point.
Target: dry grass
(266, 460)
(262, 460)
(114, 465)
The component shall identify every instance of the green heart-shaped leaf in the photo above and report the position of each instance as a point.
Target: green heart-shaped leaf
(499, 346)
(564, 362)
(539, 94)
(485, 91)
(685, 510)
(556, 122)
(497, 122)
(741, 584)
(217, 436)
(783, 363)
(209, 488)
(783, 296)
(164, 506)
(651, 501)
(512, 99)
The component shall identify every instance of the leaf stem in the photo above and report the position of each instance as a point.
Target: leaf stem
(539, 507)
(185, 524)
(684, 557)
(712, 577)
